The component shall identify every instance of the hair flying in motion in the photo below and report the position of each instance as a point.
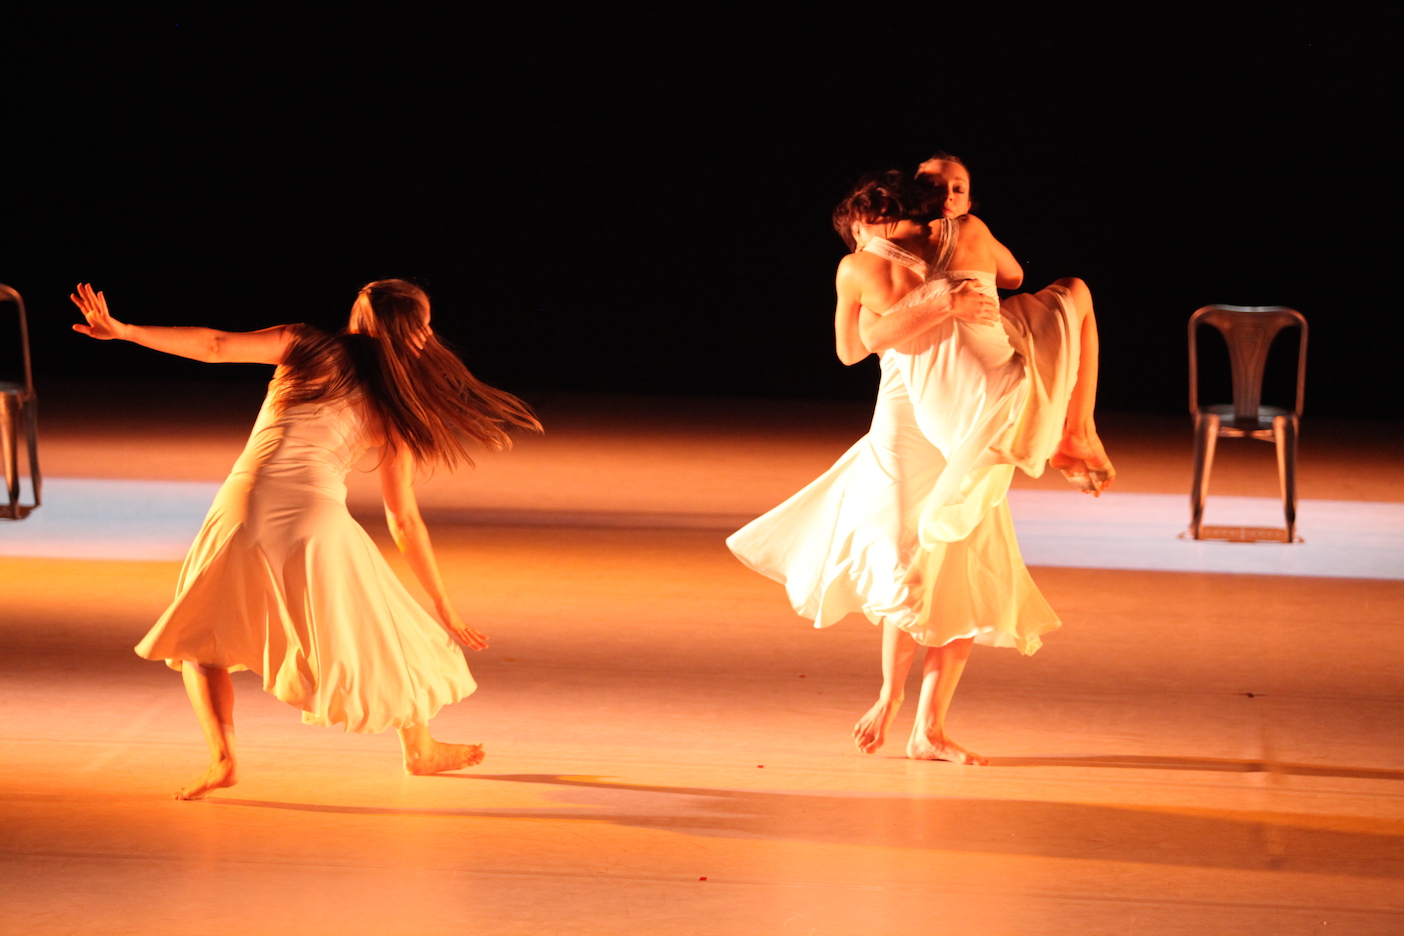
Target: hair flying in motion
(421, 393)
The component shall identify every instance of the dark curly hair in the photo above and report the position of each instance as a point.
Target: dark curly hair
(887, 195)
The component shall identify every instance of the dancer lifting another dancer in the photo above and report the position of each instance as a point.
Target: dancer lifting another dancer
(281, 580)
(911, 526)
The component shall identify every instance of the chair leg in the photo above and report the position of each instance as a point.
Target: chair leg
(1284, 431)
(9, 444)
(1206, 437)
(31, 438)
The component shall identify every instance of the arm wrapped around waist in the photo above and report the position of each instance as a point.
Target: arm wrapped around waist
(922, 309)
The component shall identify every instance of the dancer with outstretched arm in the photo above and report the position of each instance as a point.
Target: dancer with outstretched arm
(281, 580)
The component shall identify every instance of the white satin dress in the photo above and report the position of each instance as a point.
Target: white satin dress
(912, 526)
(283, 581)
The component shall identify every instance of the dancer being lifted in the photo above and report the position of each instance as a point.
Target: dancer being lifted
(911, 527)
(281, 580)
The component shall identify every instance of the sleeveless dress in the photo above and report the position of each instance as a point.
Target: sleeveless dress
(283, 581)
(912, 526)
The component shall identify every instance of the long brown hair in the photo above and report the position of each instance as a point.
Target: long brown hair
(423, 396)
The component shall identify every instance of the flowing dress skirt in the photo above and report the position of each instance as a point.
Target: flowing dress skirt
(912, 525)
(283, 581)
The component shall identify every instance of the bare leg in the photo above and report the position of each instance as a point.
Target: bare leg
(423, 755)
(1080, 453)
(212, 696)
(940, 675)
(898, 651)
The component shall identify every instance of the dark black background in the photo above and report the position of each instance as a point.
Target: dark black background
(602, 202)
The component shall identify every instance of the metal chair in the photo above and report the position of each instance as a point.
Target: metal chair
(1248, 332)
(19, 405)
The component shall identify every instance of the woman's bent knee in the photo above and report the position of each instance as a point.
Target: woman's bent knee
(1080, 294)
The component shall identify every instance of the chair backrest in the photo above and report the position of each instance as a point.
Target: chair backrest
(1248, 331)
(10, 294)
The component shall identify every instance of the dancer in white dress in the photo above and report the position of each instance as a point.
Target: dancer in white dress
(281, 580)
(910, 527)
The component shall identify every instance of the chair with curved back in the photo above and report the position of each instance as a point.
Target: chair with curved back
(19, 406)
(1248, 331)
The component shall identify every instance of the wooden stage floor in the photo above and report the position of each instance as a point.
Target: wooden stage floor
(668, 745)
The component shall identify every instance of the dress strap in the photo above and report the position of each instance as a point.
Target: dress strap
(889, 251)
(950, 234)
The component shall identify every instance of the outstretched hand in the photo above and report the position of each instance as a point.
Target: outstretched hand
(100, 325)
(470, 637)
(970, 305)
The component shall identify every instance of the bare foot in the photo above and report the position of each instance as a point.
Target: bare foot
(220, 773)
(920, 747)
(438, 757)
(1083, 461)
(871, 730)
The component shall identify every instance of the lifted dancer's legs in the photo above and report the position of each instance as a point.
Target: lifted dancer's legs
(1080, 454)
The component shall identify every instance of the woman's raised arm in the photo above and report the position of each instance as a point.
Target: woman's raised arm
(266, 346)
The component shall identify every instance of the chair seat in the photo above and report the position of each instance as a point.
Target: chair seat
(9, 386)
(1231, 424)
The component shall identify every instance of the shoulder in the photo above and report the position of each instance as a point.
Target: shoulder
(309, 351)
(970, 223)
(294, 337)
(312, 337)
(301, 331)
(862, 263)
(857, 270)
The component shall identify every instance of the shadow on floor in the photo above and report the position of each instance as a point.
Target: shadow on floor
(1210, 764)
(1194, 838)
